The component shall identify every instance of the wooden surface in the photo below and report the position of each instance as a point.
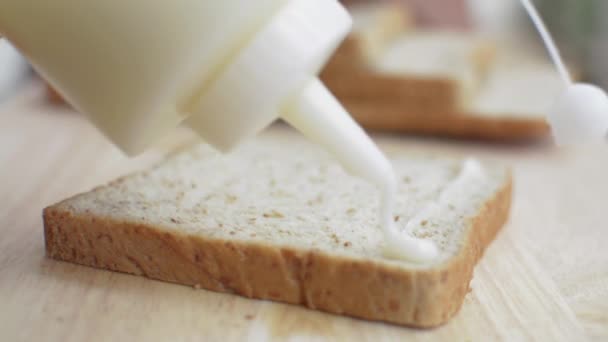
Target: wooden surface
(545, 278)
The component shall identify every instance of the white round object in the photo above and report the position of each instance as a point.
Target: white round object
(580, 115)
(132, 66)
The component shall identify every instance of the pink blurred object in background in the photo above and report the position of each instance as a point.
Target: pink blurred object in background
(435, 13)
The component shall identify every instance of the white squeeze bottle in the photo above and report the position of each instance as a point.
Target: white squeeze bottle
(227, 69)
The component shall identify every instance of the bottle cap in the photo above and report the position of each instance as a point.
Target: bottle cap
(272, 70)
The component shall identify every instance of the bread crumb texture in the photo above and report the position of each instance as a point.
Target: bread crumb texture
(286, 207)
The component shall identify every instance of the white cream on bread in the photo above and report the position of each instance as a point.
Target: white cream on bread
(319, 116)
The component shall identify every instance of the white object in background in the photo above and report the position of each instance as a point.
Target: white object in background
(580, 114)
(13, 69)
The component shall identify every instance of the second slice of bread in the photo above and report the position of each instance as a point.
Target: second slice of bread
(280, 220)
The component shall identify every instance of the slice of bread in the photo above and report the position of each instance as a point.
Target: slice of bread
(381, 59)
(460, 58)
(436, 71)
(446, 84)
(279, 219)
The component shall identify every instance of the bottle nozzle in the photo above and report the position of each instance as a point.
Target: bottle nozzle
(319, 116)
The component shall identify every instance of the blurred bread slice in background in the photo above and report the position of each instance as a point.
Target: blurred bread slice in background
(425, 71)
(444, 83)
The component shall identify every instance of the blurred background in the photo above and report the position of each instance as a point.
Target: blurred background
(458, 68)
(578, 26)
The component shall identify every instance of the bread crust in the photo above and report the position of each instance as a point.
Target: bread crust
(423, 105)
(422, 120)
(359, 86)
(368, 289)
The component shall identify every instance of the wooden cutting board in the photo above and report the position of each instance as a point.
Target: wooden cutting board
(545, 278)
